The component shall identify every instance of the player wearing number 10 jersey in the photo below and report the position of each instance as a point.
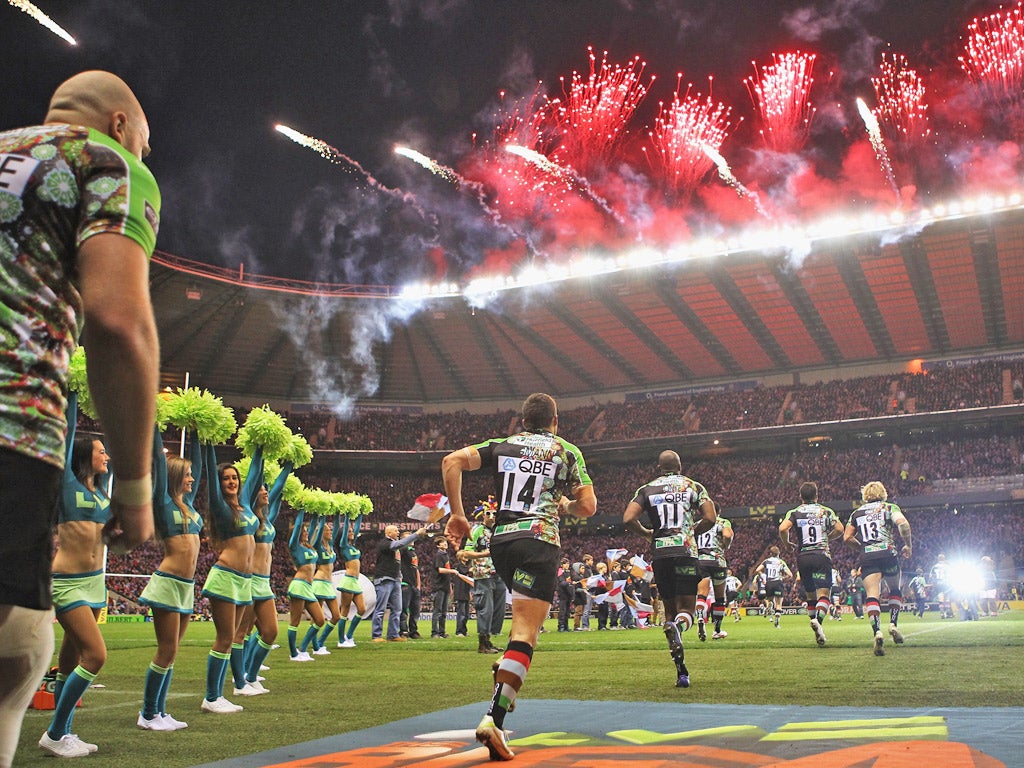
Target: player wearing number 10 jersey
(814, 524)
(677, 509)
(538, 477)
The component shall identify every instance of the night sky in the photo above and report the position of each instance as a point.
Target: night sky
(215, 77)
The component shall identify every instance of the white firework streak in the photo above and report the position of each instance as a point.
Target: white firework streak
(881, 154)
(725, 172)
(446, 173)
(571, 178)
(42, 18)
(454, 177)
(336, 157)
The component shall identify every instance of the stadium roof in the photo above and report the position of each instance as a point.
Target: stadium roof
(953, 288)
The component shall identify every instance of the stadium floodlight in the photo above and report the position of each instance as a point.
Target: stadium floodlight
(787, 237)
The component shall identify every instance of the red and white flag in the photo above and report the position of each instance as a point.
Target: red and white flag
(429, 508)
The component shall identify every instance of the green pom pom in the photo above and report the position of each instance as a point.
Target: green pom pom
(316, 502)
(78, 381)
(298, 452)
(347, 504)
(365, 505)
(243, 465)
(293, 489)
(199, 410)
(263, 427)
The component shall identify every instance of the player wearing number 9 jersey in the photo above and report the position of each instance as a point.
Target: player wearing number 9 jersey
(814, 524)
(538, 477)
(872, 527)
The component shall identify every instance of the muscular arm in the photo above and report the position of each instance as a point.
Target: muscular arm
(583, 505)
(904, 528)
(708, 517)
(124, 355)
(784, 528)
(631, 519)
(452, 466)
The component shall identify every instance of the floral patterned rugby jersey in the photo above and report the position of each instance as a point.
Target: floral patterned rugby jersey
(59, 186)
(532, 471)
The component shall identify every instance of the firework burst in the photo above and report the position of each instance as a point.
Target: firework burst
(900, 94)
(524, 122)
(592, 117)
(994, 55)
(681, 131)
(781, 95)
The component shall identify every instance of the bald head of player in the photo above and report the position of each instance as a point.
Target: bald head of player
(668, 461)
(104, 102)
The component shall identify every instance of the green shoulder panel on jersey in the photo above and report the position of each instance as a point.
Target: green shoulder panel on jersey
(142, 217)
(491, 441)
(581, 464)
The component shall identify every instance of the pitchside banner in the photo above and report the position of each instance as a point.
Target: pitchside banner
(359, 410)
(697, 389)
(965, 362)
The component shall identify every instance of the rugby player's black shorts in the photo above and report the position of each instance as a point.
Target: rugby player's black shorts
(527, 566)
(28, 511)
(815, 571)
(774, 588)
(675, 577)
(709, 569)
(884, 563)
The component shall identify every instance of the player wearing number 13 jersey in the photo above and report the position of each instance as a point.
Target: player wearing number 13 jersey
(538, 477)
(677, 509)
(872, 527)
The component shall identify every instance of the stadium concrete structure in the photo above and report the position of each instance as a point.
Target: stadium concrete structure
(951, 289)
(885, 301)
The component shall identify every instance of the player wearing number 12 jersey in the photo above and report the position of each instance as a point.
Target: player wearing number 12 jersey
(677, 509)
(814, 524)
(538, 477)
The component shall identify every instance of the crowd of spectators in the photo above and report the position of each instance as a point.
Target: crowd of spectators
(733, 481)
(763, 481)
(954, 388)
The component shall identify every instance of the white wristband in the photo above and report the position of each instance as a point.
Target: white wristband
(133, 493)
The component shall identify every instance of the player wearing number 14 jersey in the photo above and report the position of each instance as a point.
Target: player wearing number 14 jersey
(538, 477)
(677, 509)
(814, 524)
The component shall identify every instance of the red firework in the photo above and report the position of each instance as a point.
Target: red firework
(994, 55)
(781, 94)
(681, 132)
(592, 117)
(899, 90)
(526, 122)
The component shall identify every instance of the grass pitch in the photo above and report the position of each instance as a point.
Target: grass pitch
(942, 664)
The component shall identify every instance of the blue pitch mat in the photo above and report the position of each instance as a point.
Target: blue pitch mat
(574, 733)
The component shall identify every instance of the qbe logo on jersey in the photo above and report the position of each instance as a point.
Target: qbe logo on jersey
(523, 482)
